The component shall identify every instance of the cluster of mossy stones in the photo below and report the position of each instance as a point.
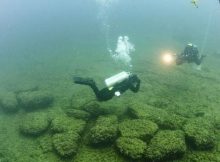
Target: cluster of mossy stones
(146, 133)
(28, 100)
(35, 121)
(152, 134)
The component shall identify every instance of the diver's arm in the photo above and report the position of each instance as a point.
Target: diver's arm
(134, 83)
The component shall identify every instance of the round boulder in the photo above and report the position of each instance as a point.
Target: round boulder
(131, 147)
(94, 109)
(63, 124)
(165, 145)
(200, 134)
(79, 114)
(138, 128)
(34, 123)
(161, 117)
(105, 130)
(66, 143)
(32, 100)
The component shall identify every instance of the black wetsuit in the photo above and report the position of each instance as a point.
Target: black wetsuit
(190, 54)
(132, 83)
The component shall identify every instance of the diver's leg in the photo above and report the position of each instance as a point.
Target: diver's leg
(87, 81)
(198, 61)
(84, 81)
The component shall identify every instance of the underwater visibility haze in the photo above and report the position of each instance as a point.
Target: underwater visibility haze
(169, 48)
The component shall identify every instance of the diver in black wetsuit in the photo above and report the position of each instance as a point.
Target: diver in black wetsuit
(132, 82)
(189, 55)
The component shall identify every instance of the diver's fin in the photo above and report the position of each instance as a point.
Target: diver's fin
(84, 81)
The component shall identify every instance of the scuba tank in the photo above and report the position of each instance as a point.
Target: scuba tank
(115, 79)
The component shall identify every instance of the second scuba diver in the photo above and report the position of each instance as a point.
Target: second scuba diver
(190, 55)
(115, 85)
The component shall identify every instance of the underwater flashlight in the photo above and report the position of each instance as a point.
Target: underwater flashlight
(168, 58)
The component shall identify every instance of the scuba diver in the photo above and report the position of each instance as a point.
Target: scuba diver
(190, 54)
(116, 85)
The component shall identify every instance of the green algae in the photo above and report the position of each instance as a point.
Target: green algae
(64, 123)
(138, 128)
(164, 119)
(88, 154)
(133, 148)
(166, 145)
(200, 133)
(105, 130)
(32, 100)
(66, 143)
(79, 114)
(34, 123)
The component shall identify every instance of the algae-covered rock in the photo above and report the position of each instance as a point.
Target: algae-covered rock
(173, 121)
(105, 130)
(91, 154)
(217, 121)
(200, 133)
(32, 100)
(164, 119)
(200, 156)
(165, 145)
(9, 102)
(94, 108)
(159, 102)
(6, 155)
(79, 114)
(66, 144)
(34, 123)
(131, 147)
(63, 124)
(45, 143)
(139, 128)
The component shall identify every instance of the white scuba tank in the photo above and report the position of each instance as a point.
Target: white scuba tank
(110, 82)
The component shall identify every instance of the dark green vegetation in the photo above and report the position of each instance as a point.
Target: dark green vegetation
(131, 147)
(105, 130)
(34, 123)
(138, 128)
(200, 133)
(34, 100)
(166, 145)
